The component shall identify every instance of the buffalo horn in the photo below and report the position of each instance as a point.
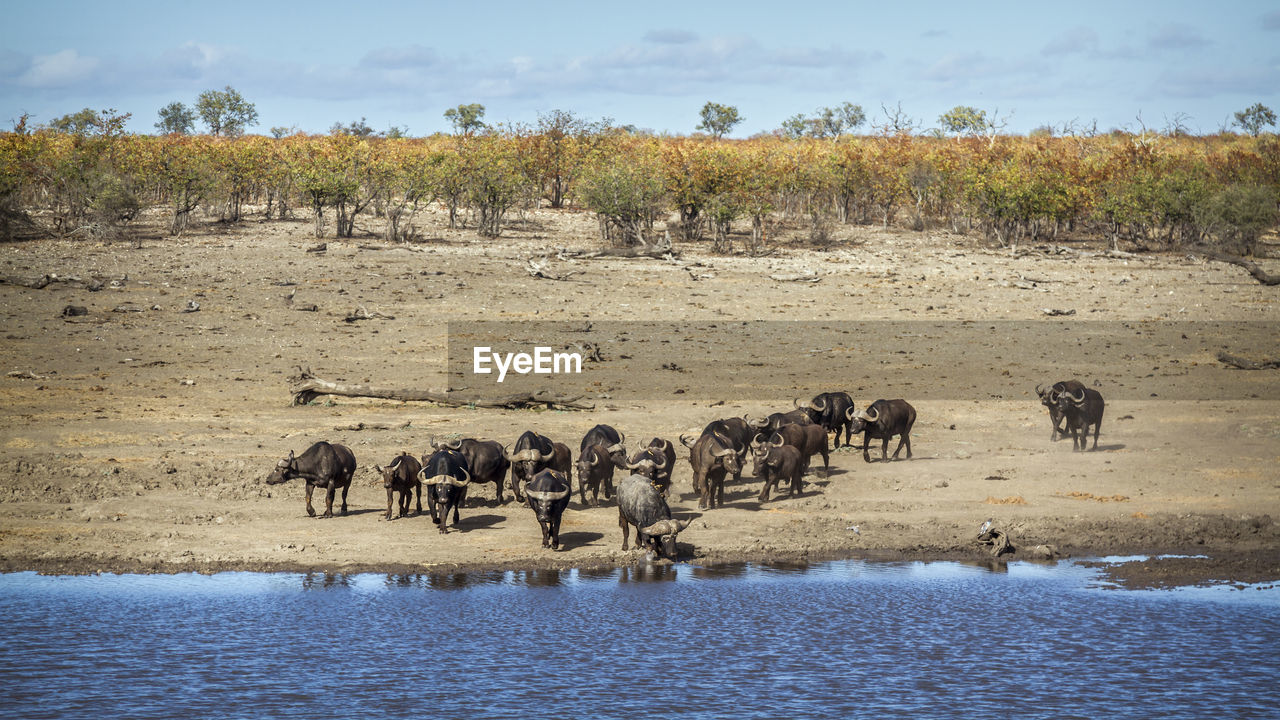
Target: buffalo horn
(849, 414)
(455, 445)
(871, 414)
(1040, 390)
(1074, 399)
(780, 442)
(685, 442)
(756, 423)
(546, 495)
(662, 527)
(820, 406)
(661, 465)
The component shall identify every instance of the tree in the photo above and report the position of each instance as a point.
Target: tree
(897, 121)
(78, 123)
(176, 119)
(1253, 119)
(718, 119)
(965, 120)
(358, 128)
(466, 119)
(827, 122)
(226, 112)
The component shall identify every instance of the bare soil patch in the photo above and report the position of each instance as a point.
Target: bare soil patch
(137, 435)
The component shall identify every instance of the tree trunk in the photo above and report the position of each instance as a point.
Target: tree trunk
(307, 387)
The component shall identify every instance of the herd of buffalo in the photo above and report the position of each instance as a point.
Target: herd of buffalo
(782, 445)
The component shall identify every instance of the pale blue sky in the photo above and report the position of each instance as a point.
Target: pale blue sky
(651, 64)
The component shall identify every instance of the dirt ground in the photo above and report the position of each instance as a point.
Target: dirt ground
(137, 436)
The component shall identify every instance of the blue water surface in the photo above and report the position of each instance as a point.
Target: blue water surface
(833, 640)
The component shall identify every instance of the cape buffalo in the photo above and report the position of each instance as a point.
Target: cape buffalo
(1049, 398)
(595, 468)
(532, 454)
(548, 493)
(774, 461)
(486, 461)
(810, 440)
(446, 476)
(326, 465)
(835, 413)
(401, 476)
(883, 419)
(712, 456)
(640, 504)
(655, 462)
(1080, 410)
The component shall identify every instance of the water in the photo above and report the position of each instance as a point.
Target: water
(835, 640)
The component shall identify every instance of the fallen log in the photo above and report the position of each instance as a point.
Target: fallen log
(647, 251)
(1257, 272)
(1246, 363)
(308, 387)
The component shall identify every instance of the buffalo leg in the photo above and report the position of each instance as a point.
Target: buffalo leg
(546, 533)
(1097, 428)
(310, 510)
(328, 501)
(458, 505)
(866, 447)
(626, 528)
(884, 450)
(904, 440)
(768, 483)
(444, 518)
(390, 492)
(345, 488)
(417, 494)
(555, 533)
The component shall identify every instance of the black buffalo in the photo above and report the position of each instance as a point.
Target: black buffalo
(640, 504)
(401, 475)
(446, 476)
(712, 457)
(1049, 398)
(775, 461)
(324, 465)
(655, 462)
(595, 469)
(835, 412)
(532, 454)
(883, 419)
(548, 494)
(1080, 410)
(486, 461)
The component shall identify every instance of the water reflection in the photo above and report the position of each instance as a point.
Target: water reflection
(647, 572)
(325, 580)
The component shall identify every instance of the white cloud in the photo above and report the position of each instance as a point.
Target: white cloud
(61, 69)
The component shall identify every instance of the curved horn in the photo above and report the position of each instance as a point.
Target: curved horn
(820, 407)
(547, 494)
(506, 453)
(780, 442)
(756, 423)
(433, 443)
(682, 524)
(849, 414)
(622, 438)
(871, 414)
(685, 442)
(1040, 390)
(1074, 399)
(795, 402)
(662, 527)
(661, 465)
(455, 445)
(759, 439)
(634, 466)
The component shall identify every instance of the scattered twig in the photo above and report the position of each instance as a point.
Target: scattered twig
(361, 313)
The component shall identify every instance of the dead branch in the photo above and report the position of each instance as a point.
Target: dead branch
(1246, 363)
(91, 284)
(361, 313)
(997, 540)
(308, 387)
(808, 276)
(538, 269)
(1257, 272)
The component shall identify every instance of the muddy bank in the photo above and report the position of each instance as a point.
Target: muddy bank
(137, 435)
